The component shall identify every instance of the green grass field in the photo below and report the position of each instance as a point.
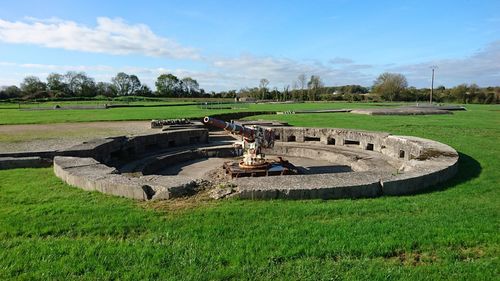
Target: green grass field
(51, 231)
(9, 114)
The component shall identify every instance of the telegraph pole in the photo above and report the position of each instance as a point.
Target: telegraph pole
(432, 83)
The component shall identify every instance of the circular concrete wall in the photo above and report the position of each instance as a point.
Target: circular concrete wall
(382, 164)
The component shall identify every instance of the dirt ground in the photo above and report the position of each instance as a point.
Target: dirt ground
(42, 137)
(201, 168)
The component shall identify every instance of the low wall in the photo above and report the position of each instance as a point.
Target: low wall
(24, 162)
(89, 174)
(401, 147)
(422, 164)
(115, 150)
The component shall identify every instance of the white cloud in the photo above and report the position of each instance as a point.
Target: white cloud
(338, 60)
(110, 36)
(115, 36)
(482, 67)
(247, 70)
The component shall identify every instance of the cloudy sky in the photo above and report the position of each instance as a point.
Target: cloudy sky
(233, 44)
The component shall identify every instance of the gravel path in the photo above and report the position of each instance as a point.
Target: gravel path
(41, 137)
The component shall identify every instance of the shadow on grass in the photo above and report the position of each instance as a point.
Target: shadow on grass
(468, 169)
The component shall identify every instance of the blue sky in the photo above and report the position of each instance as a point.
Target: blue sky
(233, 44)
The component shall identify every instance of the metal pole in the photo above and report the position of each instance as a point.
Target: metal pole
(432, 85)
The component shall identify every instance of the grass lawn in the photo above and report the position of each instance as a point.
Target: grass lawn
(12, 115)
(49, 230)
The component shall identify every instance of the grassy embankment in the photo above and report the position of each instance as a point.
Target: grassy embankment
(49, 230)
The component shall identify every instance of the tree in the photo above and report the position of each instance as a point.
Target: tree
(301, 83)
(390, 85)
(105, 89)
(168, 85)
(263, 87)
(135, 84)
(122, 83)
(79, 84)
(57, 85)
(351, 89)
(314, 85)
(286, 92)
(460, 92)
(125, 84)
(10, 92)
(32, 86)
(275, 94)
(191, 86)
(144, 91)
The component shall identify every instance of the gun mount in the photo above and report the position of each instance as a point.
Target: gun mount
(254, 139)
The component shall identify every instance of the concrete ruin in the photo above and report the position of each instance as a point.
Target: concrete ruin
(376, 164)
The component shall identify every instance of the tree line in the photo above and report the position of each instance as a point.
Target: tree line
(79, 85)
(394, 87)
(387, 87)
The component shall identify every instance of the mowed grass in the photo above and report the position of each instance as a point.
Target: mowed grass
(49, 230)
(12, 115)
(15, 116)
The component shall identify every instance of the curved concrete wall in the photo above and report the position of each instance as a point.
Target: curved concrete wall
(107, 150)
(113, 151)
(89, 174)
(424, 163)
(421, 163)
(401, 147)
(89, 166)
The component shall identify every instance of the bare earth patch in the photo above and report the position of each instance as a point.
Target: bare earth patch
(42, 137)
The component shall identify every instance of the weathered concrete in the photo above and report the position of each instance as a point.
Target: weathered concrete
(24, 162)
(152, 164)
(402, 147)
(89, 174)
(381, 164)
(358, 160)
(401, 111)
(116, 149)
(325, 186)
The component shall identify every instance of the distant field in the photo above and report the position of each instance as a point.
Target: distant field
(124, 100)
(11, 115)
(49, 230)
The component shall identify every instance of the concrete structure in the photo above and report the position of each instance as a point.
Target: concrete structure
(96, 162)
(406, 110)
(381, 164)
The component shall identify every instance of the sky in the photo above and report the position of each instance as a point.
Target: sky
(233, 44)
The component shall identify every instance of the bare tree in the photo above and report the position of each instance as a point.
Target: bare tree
(192, 88)
(286, 92)
(301, 83)
(263, 87)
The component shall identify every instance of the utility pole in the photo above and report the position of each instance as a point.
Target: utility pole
(432, 83)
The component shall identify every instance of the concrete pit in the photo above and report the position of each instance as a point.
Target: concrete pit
(335, 163)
